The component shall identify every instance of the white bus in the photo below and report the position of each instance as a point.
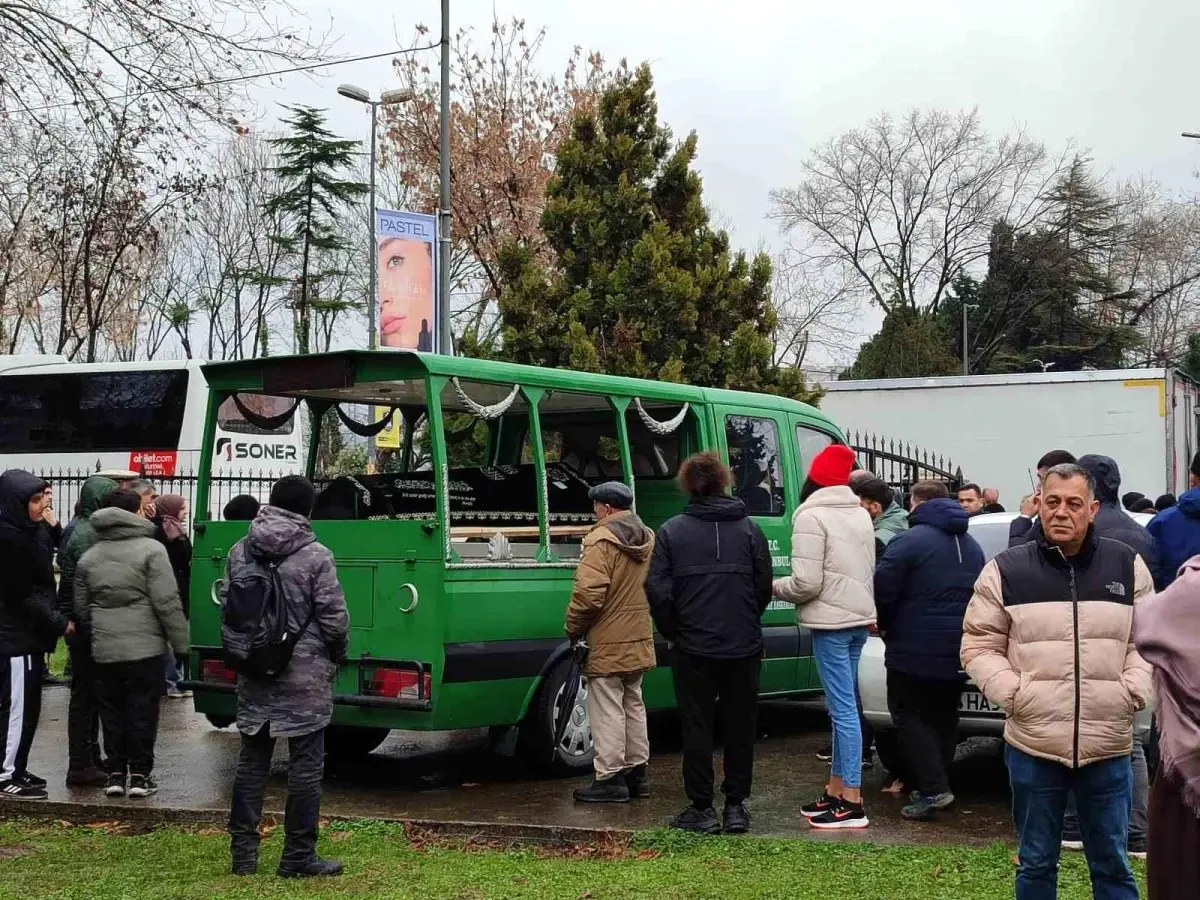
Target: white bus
(148, 417)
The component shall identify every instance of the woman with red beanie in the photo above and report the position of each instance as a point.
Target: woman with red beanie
(832, 586)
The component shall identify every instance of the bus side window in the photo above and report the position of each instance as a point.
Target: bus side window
(656, 458)
(810, 442)
(754, 458)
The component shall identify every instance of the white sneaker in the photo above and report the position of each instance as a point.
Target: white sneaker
(1072, 845)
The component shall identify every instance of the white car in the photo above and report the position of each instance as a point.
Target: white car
(978, 716)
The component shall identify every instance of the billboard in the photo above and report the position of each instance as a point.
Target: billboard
(408, 308)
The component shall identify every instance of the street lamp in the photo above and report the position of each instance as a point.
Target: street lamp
(966, 362)
(387, 98)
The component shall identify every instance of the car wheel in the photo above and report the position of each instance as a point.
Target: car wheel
(218, 721)
(573, 755)
(353, 742)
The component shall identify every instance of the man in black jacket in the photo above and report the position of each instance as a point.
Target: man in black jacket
(709, 584)
(28, 623)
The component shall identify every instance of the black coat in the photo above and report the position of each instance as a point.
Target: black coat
(923, 583)
(710, 580)
(29, 622)
(1111, 519)
(179, 552)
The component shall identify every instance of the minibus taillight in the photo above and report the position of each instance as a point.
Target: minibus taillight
(215, 670)
(397, 683)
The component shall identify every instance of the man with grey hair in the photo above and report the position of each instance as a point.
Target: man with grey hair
(1048, 638)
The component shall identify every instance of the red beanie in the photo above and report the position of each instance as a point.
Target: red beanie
(832, 466)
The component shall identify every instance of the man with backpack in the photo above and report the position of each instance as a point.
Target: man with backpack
(281, 591)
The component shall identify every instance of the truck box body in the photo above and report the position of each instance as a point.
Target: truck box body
(996, 427)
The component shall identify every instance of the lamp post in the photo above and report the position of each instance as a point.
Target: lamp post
(387, 98)
(966, 357)
(444, 188)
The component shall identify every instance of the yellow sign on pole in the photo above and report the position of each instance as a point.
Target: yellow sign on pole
(390, 437)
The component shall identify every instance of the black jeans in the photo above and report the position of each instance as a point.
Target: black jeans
(83, 712)
(306, 766)
(129, 693)
(925, 713)
(709, 691)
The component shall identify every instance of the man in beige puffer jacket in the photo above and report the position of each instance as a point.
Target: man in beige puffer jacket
(1048, 637)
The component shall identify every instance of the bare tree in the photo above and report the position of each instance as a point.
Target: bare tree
(817, 314)
(907, 204)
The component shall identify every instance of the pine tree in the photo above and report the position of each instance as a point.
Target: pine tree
(311, 201)
(638, 283)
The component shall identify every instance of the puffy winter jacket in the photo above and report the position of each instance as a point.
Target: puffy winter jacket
(1112, 521)
(608, 601)
(710, 580)
(892, 523)
(81, 539)
(1177, 533)
(1049, 639)
(833, 562)
(125, 591)
(922, 586)
(29, 623)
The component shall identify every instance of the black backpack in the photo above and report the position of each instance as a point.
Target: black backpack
(255, 639)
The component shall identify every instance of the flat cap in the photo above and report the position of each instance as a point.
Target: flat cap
(613, 493)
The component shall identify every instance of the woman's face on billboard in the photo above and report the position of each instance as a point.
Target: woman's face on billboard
(405, 291)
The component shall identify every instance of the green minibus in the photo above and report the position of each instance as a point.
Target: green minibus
(457, 559)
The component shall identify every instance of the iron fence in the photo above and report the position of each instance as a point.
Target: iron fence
(902, 465)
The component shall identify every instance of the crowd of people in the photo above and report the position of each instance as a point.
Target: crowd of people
(1066, 631)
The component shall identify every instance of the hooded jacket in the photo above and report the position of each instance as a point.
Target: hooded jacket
(82, 536)
(1176, 531)
(1111, 519)
(125, 591)
(1049, 639)
(833, 562)
(300, 701)
(29, 622)
(710, 580)
(608, 600)
(892, 523)
(923, 583)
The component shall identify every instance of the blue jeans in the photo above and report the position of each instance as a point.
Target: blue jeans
(172, 670)
(837, 654)
(1141, 796)
(1104, 794)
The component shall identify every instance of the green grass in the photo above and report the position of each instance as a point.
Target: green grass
(55, 861)
(58, 659)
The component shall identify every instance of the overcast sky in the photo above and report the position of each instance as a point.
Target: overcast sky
(761, 82)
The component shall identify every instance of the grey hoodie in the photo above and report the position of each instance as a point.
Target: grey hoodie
(300, 701)
(125, 591)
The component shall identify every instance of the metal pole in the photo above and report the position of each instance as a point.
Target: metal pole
(373, 256)
(447, 345)
(966, 364)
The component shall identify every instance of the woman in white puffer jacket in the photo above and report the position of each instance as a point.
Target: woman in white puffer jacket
(832, 586)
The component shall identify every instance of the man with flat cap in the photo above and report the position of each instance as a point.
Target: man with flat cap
(608, 606)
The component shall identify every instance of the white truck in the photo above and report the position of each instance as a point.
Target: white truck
(996, 427)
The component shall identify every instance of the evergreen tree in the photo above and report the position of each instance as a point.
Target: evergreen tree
(313, 197)
(911, 344)
(638, 283)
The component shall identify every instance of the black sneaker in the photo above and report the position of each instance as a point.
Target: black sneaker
(638, 782)
(697, 821)
(735, 819)
(142, 786)
(115, 786)
(825, 754)
(844, 815)
(604, 790)
(820, 806)
(14, 790)
(318, 868)
(28, 779)
(919, 808)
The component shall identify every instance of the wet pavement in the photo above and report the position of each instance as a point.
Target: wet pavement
(454, 777)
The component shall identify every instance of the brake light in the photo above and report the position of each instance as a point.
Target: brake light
(216, 671)
(403, 684)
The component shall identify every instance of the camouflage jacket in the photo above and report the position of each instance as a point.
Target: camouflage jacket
(300, 701)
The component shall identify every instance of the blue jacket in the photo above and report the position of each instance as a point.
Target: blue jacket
(923, 583)
(1177, 533)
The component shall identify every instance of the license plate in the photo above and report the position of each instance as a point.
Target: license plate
(975, 702)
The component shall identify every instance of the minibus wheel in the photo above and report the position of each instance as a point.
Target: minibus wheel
(575, 753)
(218, 721)
(351, 741)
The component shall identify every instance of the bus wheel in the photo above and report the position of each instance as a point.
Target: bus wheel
(217, 721)
(572, 755)
(352, 742)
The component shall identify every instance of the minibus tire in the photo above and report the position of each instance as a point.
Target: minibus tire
(352, 741)
(535, 738)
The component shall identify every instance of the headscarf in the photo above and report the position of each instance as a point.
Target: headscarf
(1166, 630)
(169, 507)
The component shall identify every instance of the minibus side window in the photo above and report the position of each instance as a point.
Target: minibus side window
(810, 442)
(754, 458)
